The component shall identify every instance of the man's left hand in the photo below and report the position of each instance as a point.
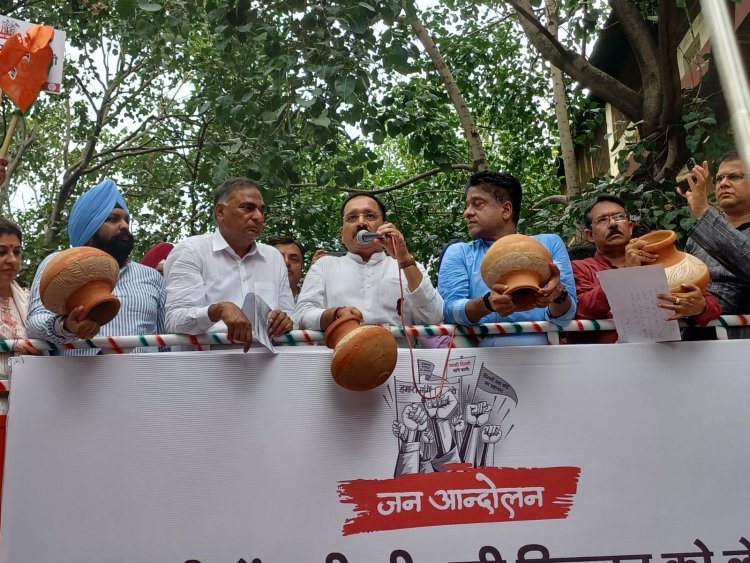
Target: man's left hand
(278, 323)
(552, 290)
(688, 302)
(395, 238)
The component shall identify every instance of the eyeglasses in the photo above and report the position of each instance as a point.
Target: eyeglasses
(354, 217)
(605, 219)
(733, 177)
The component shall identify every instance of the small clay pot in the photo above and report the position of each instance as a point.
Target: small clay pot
(680, 267)
(81, 276)
(364, 357)
(520, 262)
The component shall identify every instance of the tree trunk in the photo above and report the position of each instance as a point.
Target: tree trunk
(567, 148)
(476, 149)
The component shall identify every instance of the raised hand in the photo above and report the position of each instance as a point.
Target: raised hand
(415, 418)
(442, 407)
(458, 423)
(491, 434)
(399, 430)
(478, 414)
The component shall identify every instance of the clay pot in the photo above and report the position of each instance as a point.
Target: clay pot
(522, 263)
(363, 356)
(81, 276)
(680, 267)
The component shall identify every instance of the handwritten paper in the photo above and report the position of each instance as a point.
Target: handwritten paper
(632, 295)
(258, 311)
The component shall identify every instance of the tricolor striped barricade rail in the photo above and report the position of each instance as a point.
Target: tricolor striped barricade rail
(470, 334)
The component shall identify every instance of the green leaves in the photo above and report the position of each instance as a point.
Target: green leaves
(148, 6)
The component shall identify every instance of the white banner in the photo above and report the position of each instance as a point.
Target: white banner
(632, 452)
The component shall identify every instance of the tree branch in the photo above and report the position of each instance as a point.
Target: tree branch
(464, 115)
(576, 66)
(418, 177)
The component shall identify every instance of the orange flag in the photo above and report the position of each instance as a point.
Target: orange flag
(24, 64)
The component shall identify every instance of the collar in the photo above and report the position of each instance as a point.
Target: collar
(218, 243)
(374, 259)
(599, 257)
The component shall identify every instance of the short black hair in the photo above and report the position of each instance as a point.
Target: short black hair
(729, 156)
(581, 251)
(373, 197)
(8, 227)
(501, 185)
(231, 184)
(599, 199)
(286, 239)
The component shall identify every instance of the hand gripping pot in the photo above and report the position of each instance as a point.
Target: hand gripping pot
(520, 262)
(81, 276)
(364, 356)
(679, 266)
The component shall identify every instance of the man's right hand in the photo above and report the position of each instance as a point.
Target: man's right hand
(636, 256)
(239, 328)
(500, 301)
(330, 315)
(79, 325)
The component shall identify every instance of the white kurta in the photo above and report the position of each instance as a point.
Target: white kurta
(372, 287)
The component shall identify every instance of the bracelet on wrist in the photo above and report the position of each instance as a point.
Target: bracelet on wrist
(406, 263)
(486, 301)
(562, 297)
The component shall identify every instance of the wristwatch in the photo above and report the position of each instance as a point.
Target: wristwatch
(562, 297)
(486, 301)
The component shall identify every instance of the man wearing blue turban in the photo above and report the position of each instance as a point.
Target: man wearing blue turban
(100, 218)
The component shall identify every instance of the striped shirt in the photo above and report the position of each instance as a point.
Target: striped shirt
(726, 251)
(142, 295)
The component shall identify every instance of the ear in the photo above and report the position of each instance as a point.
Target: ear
(219, 212)
(589, 235)
(507, 210)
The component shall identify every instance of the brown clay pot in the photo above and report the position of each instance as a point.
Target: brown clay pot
(363, 356)
(680, 267)
(521, 263)
(81, 276)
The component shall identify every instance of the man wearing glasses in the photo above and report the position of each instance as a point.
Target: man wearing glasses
(723, 241)
(609, 227)
(365, 282)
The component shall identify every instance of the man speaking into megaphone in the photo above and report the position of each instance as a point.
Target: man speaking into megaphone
(365, 282)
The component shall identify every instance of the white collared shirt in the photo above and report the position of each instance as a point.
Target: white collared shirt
(372, 287)
(204, 270)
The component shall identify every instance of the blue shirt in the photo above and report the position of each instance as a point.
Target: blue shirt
(142, 294)
(460, 280)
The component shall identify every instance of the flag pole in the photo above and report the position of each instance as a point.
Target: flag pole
(731, 72)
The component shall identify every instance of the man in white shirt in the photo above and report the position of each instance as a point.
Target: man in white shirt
(365, 282)
(209, 276)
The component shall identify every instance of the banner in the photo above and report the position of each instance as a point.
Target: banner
(631, 452)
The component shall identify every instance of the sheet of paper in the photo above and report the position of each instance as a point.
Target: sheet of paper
(257, 310)
(631, 293)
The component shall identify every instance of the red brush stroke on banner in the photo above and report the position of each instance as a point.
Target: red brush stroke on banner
(459, 496)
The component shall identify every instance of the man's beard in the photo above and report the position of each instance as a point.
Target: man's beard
(118, 247)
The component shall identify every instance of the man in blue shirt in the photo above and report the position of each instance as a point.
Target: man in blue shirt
(493, 205)
(100, 218)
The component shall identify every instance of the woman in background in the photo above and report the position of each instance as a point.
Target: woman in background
(13, 298)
